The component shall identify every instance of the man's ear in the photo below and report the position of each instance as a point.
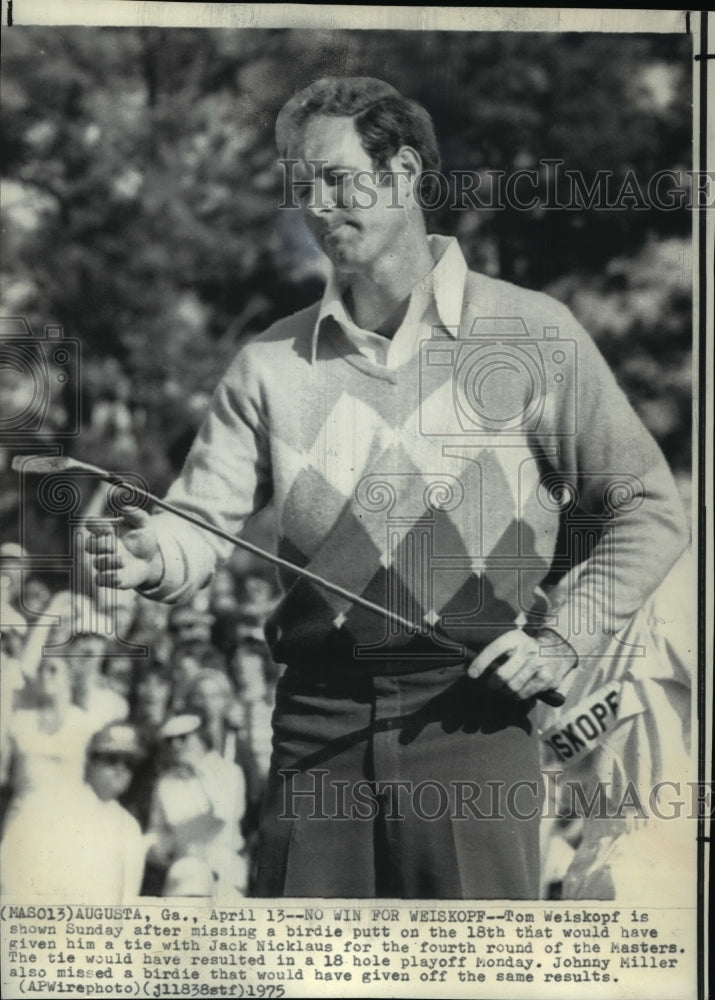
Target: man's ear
(407, 166)
(409, 161)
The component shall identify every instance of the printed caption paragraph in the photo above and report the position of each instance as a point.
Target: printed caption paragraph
(475, 949)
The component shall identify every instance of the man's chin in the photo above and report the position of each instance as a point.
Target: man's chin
(343, 244)
(345, 257)
(343, 265)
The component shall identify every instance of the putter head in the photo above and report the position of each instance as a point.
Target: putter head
(43, 464)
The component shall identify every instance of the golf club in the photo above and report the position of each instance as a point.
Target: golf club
(48, 464)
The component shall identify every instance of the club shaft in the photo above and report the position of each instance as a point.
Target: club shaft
(549, 697)
(256, 550)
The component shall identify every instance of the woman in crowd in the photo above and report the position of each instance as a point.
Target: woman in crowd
(43, 762)
(92, 690)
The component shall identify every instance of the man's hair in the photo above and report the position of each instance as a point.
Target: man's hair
(384, 119)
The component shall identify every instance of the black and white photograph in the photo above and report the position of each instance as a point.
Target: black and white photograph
(354, 476)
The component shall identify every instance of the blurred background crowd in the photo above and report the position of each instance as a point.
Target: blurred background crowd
(140, 214)
(169, 718)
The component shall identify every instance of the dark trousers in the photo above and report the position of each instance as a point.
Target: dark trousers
(422, 785)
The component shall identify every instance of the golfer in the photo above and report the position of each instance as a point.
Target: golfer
(442, 443)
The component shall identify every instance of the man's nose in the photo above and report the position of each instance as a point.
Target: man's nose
(324, 198)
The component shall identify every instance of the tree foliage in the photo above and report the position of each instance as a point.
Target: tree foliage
(141, 193)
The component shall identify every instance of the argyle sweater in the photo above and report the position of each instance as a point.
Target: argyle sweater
(497, 477)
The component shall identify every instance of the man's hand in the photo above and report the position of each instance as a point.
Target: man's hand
(513, 663)
(131, 560)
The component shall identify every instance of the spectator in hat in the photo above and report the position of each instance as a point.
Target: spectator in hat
(117, 859)
(197, 807)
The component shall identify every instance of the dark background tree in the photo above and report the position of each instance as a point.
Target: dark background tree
(141, 191)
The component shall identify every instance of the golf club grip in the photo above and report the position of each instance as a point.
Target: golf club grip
(551, 697)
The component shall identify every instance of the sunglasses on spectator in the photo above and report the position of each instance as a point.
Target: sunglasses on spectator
(112, 760)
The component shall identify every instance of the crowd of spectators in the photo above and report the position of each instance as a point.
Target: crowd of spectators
(133, 762)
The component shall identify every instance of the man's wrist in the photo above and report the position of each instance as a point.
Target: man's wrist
(154, 574)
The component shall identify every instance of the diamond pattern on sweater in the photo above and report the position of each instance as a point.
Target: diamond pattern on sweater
(351, 431)
(310, 490)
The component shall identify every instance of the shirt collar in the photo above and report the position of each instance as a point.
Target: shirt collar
(444, 285)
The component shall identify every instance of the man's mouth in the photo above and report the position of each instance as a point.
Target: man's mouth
(339, 229)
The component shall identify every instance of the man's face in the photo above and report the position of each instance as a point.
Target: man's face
(187, 629)
(36, 597)
(210, 699)
(109, 774)
(153, 694)
(54, 677)
(187, 749)
(355, 214)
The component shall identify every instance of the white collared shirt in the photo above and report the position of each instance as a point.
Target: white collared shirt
(435, 300)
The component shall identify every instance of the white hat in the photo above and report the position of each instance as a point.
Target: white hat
(119, 738)
(180, 725)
